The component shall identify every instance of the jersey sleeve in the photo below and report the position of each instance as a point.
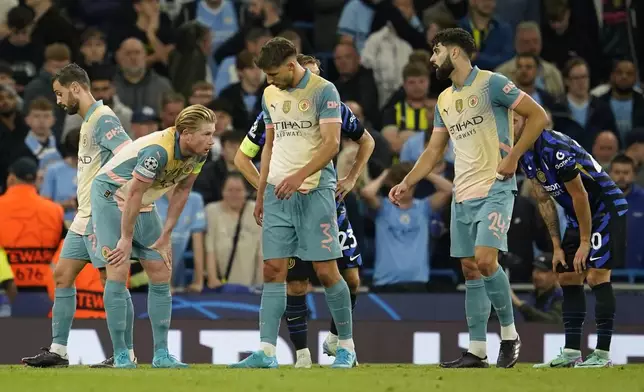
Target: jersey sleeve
(199, 165)
(150, 162)
(351, 126)
(255, 137)
(328, 105)
(110, 134)
(439, 125)
(267, 116)
(564, 163)
(503, 92)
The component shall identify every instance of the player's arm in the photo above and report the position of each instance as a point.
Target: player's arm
(443, 192)
(548, 211)
(580, 203)
(366, 144)
(248, 150)
(267, 152)
(370, 192)
(179, 199)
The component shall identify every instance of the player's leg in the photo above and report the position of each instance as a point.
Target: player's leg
(493, 221)
(477, 303)
(297, 311)
(351, 275)
(279, 243)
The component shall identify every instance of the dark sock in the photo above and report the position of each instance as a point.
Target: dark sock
(574, 313)
(296, 311)
(604, 314)
(333, 329)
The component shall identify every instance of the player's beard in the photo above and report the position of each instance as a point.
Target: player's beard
(445, 70)
(72, 106)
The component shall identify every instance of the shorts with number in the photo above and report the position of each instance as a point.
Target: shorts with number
(106, 216)
(481, 222)
(304, 226)
(607, 243)
(81, 247)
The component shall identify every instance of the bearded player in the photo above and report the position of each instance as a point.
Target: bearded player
(476, 113)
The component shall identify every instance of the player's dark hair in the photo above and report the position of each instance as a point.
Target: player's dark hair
(572, 63)
(71, 142)
(72, 73)
(232, 137)
(532, 56)
(455, 37)
(275, 53)
(624, 160)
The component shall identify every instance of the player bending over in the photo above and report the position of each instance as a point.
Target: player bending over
(299, 271)
(101, 137)
(296, 196)
(594, 241)
(126, 222)
(476, 113)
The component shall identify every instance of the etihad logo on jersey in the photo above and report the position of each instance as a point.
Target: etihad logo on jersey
(292, 125)
(85, 159)
(465, 128)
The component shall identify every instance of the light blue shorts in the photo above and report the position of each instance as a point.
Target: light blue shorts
(80, 247)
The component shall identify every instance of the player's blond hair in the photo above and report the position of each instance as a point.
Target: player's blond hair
(191, 118)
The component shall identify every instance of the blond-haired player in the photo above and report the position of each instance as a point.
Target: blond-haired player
(126, 222)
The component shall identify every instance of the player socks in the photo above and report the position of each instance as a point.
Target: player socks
(338, 298)
(333, 330)
(129, 325)
(160, 312)
(296, 311)
(497, 287)
(574, 313)
(604, 314)
(115, 300)
(62, 316)
(477, 311)
(272, 308)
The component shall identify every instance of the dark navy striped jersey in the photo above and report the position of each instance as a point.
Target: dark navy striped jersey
(351, 128)
(557, 159)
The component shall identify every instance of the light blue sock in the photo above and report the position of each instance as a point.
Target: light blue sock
(477, 309)
(498, 290)
(338, 298)
(62, 314)
(160, 312)
(129, 331)
(271, 311)
(115, 300)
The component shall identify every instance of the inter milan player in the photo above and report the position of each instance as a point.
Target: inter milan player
(594, 241)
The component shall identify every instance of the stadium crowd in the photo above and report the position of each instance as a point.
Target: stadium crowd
(148, 59)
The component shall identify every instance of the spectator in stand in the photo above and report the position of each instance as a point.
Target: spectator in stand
(224, 112)
(634, 149)
(190, 61)
(382, 157)
(202, 93)
(605, 147)
(515, 12)
(103, 89)
(51, 27)
(255, 38)
(40, 139)
(525, 76)
(233, 238)
(6, 75)
(218, 16)
(56, 57)
(144, 122)
(210, 181)
(356, 83)
(5, 6)
(171, 105)
(493, 37)
(136, 85)
(13, 131)
(402, 231)
(19, 49)
(548, 296)
(622, 171)
(354, 26)
(591, 113)
(626, 103)
(528, 42)
(59, 183)
(246, 95)
(190, 228)
(93, 50)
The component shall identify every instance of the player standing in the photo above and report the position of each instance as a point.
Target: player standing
(123, 196)
(101, 136)
(299, 271)
(594, 241)
(296, 196)
(476, 113)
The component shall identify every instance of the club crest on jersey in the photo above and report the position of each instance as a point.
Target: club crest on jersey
(291, 263)
(459, 105)
(151, 163)
(405, 219)
(105, 251)
(541, 176)
(304, 105)
(187, 169)
(472, 101)
(286, 107)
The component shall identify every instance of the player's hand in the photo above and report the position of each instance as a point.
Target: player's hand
(288, 186)
(507, 168)
(580, 257)
(163, 245)
(258, 213)
(345, 185)
(120, 254)
(397, 192)
(558, 257)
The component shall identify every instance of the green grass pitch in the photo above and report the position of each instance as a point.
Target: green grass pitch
(371, 378)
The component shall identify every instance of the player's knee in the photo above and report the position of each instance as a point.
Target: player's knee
(352, 277)
(487, 261)
(597, 276)
(297, 287)
(119, 273)
(157, 271)
(64, 275)
(327, 272)
(570, 279)
(274, 271)
(470, 269)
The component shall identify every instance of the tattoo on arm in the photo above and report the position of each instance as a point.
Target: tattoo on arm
(547, 209)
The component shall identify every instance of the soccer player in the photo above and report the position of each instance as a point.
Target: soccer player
(123, 196)
(101, 136)
(299, 271)
(476, 113)
(594, 241)
(296, 195)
